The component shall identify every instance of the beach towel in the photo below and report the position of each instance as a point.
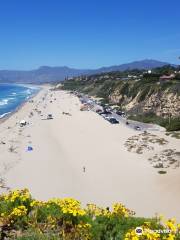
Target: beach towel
(29, 148)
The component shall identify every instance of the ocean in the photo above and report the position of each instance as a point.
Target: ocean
(13, 95)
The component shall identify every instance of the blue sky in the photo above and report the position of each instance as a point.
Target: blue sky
(87, 34)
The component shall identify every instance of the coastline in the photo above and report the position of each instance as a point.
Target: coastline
(8, 115)
(13, 115)
(74, 139)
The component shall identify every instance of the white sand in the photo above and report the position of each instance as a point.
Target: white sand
(64, 145)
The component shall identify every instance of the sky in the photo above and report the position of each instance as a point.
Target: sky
(87, 33)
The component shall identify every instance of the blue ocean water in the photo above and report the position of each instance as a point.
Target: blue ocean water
(13, 95)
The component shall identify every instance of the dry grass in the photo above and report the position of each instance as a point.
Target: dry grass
(168, 158)
(143, 142)
(174, 134)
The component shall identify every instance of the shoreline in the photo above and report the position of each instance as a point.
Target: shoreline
(74, 139)
(13, 114)
(8, 115)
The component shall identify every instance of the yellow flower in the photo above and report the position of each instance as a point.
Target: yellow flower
(120, 210)
(69, 206)
(171, 225)
(19, 211)
(36, 203)
(170, 237)
(22, 195)
(146, 234)
(93, 210)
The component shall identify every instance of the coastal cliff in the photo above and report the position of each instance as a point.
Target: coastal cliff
(136, 92)
(162, 103)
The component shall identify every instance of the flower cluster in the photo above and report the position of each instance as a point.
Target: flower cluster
(146, 234)
(71, 206)
(120, 210)
(168, 230)
(15, 204)
(20, 195)
(68, 206)
(94, 210)
(19, 211)
(171, 225)
(66, 219)
(36, 203)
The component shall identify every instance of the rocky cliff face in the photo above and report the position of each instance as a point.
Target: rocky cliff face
(163, 104)
(137, 94)
(167, 104)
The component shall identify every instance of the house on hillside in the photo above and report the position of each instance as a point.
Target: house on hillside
(166, 78)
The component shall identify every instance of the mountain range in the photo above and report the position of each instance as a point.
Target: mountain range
(46, 74)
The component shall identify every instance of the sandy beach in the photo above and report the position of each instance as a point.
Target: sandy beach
(81, 155)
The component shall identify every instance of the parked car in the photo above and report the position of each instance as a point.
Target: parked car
(105, 112)
(120, 113)
(137, 128)
(99, 111)
(106, 117)
(49, 116)
(109, 109)
(113, 120)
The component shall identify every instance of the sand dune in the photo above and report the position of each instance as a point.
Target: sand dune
(63, 146)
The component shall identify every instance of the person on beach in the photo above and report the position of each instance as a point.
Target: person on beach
(84, 169)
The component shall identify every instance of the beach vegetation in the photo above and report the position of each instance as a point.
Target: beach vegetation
(24, 218)
(171, 123)
(162, 172)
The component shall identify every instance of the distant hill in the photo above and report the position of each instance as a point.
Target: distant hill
(43, 74)
(143, 64)
(47, 74)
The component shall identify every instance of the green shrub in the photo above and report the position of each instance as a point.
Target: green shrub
(172, 124)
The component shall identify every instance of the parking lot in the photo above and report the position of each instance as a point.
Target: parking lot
(117, 117)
